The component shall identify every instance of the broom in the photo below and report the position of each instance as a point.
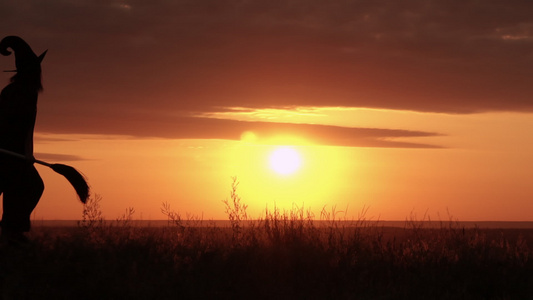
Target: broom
(72, 175)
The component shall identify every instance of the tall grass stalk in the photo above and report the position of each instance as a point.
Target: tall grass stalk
(235, 210)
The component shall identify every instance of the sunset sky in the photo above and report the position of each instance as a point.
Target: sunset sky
(401, 107)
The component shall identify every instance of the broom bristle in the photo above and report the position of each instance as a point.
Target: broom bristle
(75, 178)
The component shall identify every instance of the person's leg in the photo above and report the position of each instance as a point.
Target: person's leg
(20, 198)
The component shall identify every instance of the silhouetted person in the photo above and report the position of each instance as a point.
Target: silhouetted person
(20, 183)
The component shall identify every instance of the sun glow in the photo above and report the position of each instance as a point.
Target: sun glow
(285, 160)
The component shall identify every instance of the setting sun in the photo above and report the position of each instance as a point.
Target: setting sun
(285, 160)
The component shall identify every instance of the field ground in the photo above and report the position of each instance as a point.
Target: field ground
(278, 257)
(283, 255)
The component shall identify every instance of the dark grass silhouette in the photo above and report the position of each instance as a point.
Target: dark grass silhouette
(283, 255)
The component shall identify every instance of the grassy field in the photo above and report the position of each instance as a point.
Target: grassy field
(280, 256)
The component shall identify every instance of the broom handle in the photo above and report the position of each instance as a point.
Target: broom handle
(18, 155)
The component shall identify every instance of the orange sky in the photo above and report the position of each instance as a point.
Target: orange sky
(399, 107)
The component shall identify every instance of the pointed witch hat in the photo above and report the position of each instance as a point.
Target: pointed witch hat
(25, 58)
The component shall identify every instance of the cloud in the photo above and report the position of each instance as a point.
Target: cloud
(55, 158)
(150, 125)
(449, 56)
(113, 59)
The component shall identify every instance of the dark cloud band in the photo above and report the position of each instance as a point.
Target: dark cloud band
(177, 127)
